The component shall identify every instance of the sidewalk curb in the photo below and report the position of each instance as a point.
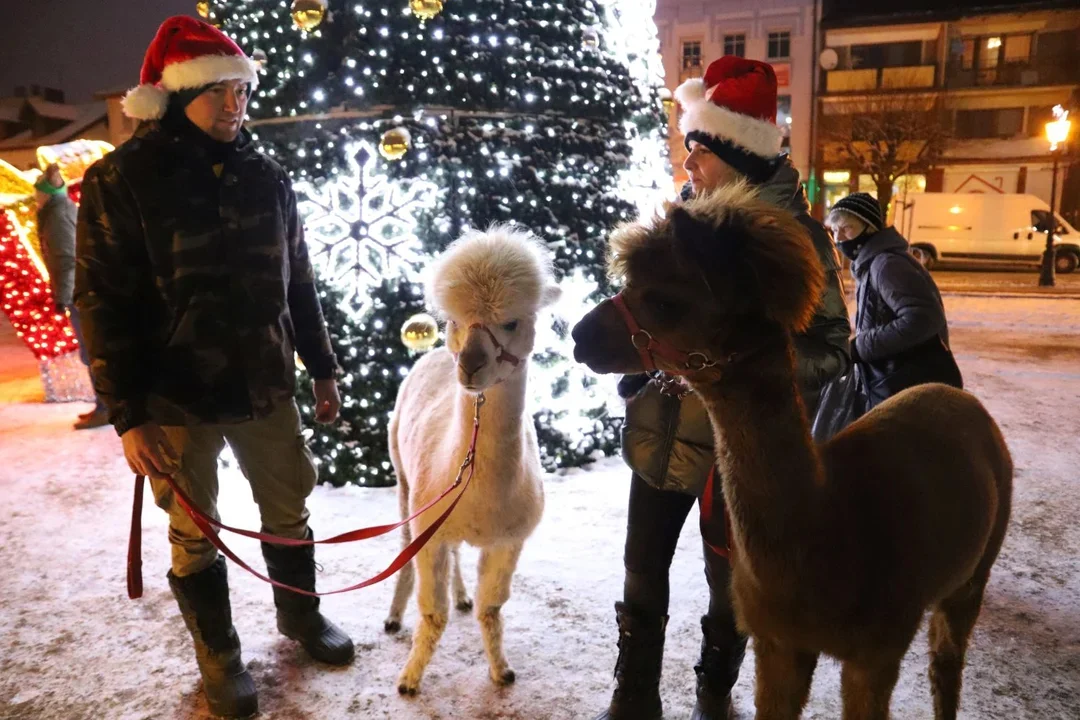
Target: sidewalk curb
(1010, 295)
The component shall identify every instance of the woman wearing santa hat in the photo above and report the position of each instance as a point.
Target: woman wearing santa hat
(729, 122)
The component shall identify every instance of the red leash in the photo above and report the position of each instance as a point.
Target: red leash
(207, 525)
(134, 559)
(706, 516)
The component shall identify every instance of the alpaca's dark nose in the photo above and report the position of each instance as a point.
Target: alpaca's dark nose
(580, 334)
(471, 361)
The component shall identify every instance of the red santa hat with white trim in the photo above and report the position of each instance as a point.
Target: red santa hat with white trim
(732, 111)
(185, 54)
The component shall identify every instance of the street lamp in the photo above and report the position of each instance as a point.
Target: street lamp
(1057, 132)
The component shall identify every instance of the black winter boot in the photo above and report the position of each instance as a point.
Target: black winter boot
(637, 671)
(204, 603)
(722, 651)
(298, 616)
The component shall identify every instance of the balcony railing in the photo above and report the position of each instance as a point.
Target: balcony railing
(1016, 75)
(889, 78)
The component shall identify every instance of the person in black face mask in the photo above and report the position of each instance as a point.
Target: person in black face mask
(901, 335)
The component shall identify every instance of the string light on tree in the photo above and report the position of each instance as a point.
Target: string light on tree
(308, 14)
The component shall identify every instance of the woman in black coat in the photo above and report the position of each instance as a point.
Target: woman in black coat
(901, 336)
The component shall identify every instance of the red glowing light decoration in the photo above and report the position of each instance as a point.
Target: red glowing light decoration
(25, 294)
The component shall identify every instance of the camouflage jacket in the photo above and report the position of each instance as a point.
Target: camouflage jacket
(193, 282)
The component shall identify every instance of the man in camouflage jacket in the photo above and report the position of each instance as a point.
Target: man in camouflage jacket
(195, 289)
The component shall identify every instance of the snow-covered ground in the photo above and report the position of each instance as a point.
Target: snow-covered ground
(72, 646)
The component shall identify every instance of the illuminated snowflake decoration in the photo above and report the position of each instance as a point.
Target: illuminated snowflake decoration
(361, 226)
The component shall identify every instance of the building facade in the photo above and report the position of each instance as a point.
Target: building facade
(34, 116)
(780, 32)
(991, 76)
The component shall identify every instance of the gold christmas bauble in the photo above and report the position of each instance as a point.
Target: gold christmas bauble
(426, 9)
(259, 56)
(667, 100)
(308, 14)
(420, 333)
(395, 143)
(203, 8)
(591, 39)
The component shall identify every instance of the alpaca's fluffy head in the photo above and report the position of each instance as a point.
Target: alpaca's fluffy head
(708, 275)
(499, 279)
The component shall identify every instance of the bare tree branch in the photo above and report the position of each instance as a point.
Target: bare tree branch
(887, 136)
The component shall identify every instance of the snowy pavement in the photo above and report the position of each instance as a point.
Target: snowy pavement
(1017, 280)
(73, 647)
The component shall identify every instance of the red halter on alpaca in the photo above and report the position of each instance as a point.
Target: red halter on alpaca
(503, 355)
(646, 345)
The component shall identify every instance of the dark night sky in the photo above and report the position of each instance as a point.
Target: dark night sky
(79, 46)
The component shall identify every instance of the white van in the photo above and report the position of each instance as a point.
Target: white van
(985, 227)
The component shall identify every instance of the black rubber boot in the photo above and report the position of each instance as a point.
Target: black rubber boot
(298, 616)
(722, 652)
(637, 671)
(204, 603)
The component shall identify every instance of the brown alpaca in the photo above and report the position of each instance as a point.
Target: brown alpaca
(837, 549)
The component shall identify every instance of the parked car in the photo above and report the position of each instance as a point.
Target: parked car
(988, 227)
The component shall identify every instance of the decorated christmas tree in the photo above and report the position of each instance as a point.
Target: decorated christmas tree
(405, 123)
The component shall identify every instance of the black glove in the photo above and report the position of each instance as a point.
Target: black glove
(855, 353)
(630, 385)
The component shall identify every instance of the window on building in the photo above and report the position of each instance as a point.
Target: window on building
(735, 45)
(1053, 47)
(1018, 49)
(988, 59)
(1037, 117)
(901, 54)
(997, 123)
(783, 117)
(779, 45)
(996, 59)
(967, 56)
(691, 54)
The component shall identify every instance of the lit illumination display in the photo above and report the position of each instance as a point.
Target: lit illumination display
(544, 113)
(361, 226)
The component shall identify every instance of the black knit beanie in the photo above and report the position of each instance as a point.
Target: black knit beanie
(863, 206)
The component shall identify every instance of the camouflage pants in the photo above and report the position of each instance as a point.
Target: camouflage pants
(272, 456)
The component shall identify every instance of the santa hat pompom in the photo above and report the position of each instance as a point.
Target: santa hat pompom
(690, 92)
(145, 102)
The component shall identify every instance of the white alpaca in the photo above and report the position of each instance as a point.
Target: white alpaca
(489, 288)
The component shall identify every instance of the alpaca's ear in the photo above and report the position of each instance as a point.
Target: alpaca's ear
(689, 232)
(550, 295)
(786, 268)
